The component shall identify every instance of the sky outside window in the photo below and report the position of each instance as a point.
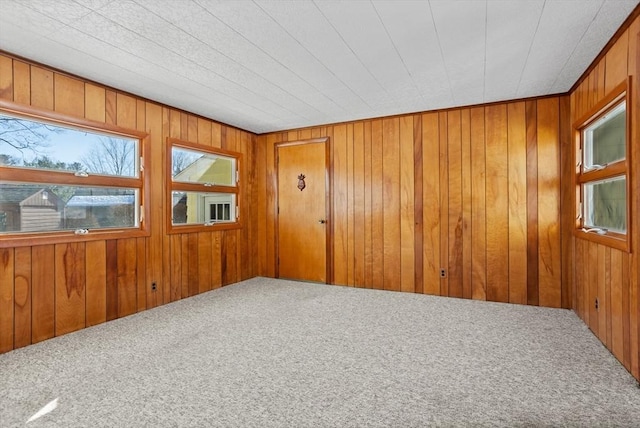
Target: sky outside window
(33, 144)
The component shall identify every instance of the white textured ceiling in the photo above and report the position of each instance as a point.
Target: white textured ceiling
(274, 65)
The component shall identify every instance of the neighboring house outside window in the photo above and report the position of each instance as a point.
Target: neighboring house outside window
(64, 179)
(29, 208)
(203, 188)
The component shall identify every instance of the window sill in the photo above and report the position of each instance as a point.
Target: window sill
(67, 236)
(612, 240)
(194, 228)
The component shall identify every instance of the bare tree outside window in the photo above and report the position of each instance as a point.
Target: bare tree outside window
(31, 144)
(22, 137)
(111, 156)
(181, 159)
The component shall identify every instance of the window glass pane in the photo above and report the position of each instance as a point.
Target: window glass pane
(606, 204)
(605, 139)
(45, 207)
(192, 166)
(202, 207)
(31, 144)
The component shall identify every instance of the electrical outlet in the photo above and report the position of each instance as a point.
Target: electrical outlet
(597, 304)
(154, 286)
(443, 273)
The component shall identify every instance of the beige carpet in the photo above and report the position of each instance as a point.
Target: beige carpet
(269, 353)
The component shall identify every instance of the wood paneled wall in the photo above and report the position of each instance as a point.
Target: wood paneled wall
(475, 191)
(49, 290)
(486, 193)
(600, 272)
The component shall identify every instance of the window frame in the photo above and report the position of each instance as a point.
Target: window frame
(68, 178)
(172, 186)
(621, 168)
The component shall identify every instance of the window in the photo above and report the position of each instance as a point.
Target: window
(203, 188)
(602, 173)
(64, 179)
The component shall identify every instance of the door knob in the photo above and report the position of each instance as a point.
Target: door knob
(322, 221)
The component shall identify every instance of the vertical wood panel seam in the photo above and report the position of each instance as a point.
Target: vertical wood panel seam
(351, 218)
(468, 210)
(13, 307)
(418, 202)
(484, 161)
(31, 292)
(444, 186)
(508, 241)
(55, 295)
(13, 82)
(532, 197)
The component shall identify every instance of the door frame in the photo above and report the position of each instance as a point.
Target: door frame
(328, 202)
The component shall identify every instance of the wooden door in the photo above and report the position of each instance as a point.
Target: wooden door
(302, 211)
